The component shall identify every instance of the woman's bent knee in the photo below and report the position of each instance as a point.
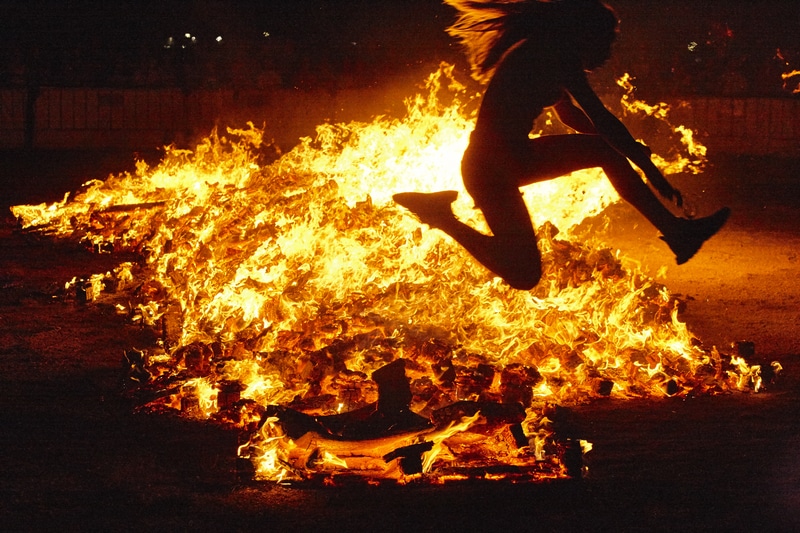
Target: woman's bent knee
(524, 279)
(523, 284)
(521, 266)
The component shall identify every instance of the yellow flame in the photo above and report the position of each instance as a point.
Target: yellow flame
(308, 278)
(786, 76)
(439, 448)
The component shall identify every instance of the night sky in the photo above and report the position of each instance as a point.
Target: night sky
(83, 42)
(146, 23)
(680, 45)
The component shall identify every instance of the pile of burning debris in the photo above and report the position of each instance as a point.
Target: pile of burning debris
(294, 301)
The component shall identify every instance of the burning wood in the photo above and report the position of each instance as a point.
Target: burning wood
(386, 440)
(121, 208)
(296, 302)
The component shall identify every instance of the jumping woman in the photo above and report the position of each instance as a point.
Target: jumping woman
(534, 55)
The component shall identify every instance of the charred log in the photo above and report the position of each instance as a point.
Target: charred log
(410, 457)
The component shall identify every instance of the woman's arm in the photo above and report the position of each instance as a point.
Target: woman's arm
(617, 135)
(573, 116)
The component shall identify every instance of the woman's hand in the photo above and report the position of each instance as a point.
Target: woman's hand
(665, 189)
(645, 150)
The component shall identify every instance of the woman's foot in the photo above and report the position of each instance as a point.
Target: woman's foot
(691, 234)
(431, 208)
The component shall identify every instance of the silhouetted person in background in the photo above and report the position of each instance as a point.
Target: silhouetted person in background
(534, 55)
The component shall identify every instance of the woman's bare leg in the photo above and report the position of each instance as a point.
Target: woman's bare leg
(557, 155)
(510, 252)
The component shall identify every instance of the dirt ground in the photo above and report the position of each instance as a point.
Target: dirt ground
(75, 456)
(743, 285)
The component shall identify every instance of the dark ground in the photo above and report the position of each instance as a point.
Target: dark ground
(75, 456)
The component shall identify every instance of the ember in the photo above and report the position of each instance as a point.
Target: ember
(296, 302)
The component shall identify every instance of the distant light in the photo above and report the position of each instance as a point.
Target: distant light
(266, 34)
(692, 46)
(187, 35)
(219, 38)
(169, 43)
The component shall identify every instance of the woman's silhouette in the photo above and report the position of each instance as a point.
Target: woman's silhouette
(535, 54)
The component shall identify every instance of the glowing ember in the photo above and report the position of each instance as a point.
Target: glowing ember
(790, 77)
(286, 290)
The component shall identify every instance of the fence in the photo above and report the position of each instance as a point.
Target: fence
(750, 126)
(140, 119)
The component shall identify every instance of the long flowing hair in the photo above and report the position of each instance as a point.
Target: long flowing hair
(487, 29)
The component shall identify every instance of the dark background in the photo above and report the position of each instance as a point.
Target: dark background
(730, 47)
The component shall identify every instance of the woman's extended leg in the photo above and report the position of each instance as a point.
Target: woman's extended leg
(510, 252)
(556, 155)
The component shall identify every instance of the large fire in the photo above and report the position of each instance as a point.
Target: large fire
(296, 301)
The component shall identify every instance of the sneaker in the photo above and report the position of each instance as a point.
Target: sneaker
(685, 242)
(430, 208)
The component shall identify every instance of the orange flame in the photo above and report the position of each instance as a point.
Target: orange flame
(786, 76)
(298, 279)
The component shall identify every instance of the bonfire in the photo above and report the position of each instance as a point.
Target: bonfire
(297, 302)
